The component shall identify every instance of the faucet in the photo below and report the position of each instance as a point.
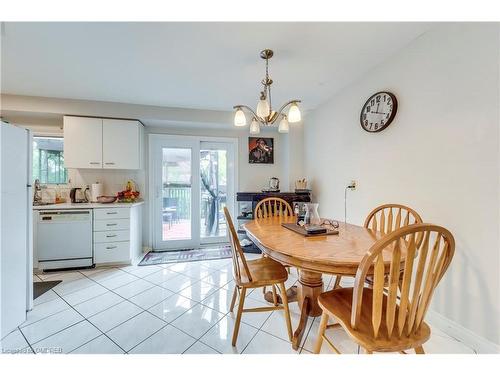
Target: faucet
(37, 197)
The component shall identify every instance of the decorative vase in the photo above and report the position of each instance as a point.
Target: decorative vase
(312, 215)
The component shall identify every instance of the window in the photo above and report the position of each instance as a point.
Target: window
(48, 160)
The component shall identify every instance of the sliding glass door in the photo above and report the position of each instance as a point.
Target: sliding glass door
(193, 179)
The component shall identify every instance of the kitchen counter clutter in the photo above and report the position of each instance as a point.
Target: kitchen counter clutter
(69, 206)
(83, 234)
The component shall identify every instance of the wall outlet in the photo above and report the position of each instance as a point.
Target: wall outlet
(353, 184)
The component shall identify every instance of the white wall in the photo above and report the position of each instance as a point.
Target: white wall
(439, 156)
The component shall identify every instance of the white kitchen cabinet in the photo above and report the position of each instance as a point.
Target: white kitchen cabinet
(82, 142)
(102, 143)
(121, 144)
(117, 235)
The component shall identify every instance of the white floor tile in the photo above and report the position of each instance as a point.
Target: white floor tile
(441, 343)
(276, 324)
(115, 315)
(131, 289)
(193, 270)
(85, 294)
(220, 336)
(142, 271)
(98, 304)
(198, 291)
(66, 288)
(264, 343)
(169, 340)
(118, 281)
(44, 310)
(135, 330)
(99, 345)
(99, 275)
(198, 320)
(13, 343)
(161, 276)
(50, 325)
(200, 348)
(49, 295)
(336, 335)
(172, 307)
(218, 279)
(151, 297)
(67, 340)
(255, 319)
(220, 300)
(177, 283)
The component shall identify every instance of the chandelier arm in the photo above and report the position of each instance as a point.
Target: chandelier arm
(284, 106)
(241, 106)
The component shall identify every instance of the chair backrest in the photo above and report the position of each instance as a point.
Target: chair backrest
(389, 217)
(424, 265)
(238, 256)
(268, 207)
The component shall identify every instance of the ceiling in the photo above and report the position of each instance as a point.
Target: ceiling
(193, 65)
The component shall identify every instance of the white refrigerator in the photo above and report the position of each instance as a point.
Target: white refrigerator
(16, 239)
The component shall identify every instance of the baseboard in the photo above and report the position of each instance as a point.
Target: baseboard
(479, 343)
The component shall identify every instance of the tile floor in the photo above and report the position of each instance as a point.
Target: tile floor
(172, 308)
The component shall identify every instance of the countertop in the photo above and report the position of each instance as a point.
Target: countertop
(69, 206)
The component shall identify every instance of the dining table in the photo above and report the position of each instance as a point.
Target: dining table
(313, 256)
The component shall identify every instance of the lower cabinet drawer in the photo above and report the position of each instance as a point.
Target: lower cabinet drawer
(112, 236)
(112, 252)
(118, 224)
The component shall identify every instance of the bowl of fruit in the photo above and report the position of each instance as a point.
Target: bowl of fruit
(129, 195)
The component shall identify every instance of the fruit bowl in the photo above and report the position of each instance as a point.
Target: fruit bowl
(106, 199)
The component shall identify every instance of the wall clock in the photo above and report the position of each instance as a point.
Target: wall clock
(378, 112)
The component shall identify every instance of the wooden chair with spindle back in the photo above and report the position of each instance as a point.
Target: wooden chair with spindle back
(381, 319)
(386, 219)
(269, 207)
(255, 274)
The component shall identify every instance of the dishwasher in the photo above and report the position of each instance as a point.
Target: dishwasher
(63, 239)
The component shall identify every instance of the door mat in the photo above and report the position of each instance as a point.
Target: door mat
(187, 255)
(41, 287)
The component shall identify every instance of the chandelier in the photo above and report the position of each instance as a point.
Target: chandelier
(264, 114)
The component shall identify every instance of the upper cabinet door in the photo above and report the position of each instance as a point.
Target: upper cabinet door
(121, 144)
(82, 142)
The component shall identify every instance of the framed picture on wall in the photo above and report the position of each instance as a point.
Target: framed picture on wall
(260, 150)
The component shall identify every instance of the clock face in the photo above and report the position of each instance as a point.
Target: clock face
(378, 112)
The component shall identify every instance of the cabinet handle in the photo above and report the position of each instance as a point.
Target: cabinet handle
(111, 213)
(110, 247)
(110, 235)
(94, 162)
(109, 163)
(111, 225)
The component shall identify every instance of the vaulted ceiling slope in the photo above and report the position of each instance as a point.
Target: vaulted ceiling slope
(193, 65)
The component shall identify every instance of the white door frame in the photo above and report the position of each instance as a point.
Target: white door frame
(156, 142)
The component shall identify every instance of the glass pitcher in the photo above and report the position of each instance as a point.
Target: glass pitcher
(312, 215)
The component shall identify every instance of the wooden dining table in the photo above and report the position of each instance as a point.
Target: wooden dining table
(338, 254)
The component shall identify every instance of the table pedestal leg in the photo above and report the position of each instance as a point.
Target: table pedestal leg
(310, 287)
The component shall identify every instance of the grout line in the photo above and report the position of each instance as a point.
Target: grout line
(25, 339)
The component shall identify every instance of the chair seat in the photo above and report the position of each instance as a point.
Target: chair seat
(264, 271)
(338, 303)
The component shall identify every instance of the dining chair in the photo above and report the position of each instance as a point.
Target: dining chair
(269, 207)
(255, 274)
(389, 319)
(386, 219)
